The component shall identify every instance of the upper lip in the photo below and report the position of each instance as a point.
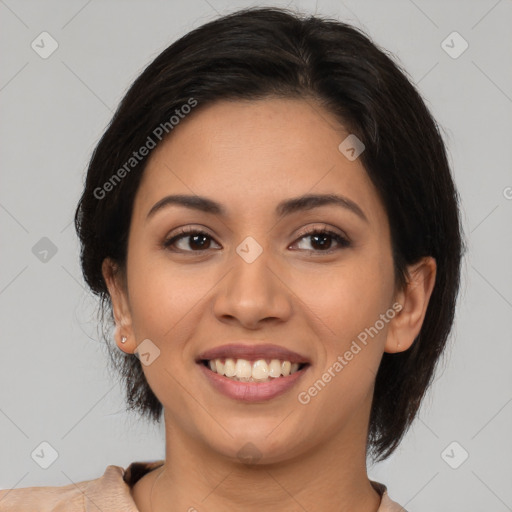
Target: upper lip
(252, 352)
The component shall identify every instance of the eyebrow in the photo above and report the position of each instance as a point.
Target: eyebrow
(286, 207)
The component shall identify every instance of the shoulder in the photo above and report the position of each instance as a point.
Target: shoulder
(108, 492)
(387, 504)
(44, 499)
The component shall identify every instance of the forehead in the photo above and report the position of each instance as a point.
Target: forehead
(250, 155)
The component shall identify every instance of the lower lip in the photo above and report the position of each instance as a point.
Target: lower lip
(252, 391)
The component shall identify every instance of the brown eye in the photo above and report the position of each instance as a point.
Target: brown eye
(323, 239)
(197, 241)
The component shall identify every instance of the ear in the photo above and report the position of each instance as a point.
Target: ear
(117, 289)
(413, 298)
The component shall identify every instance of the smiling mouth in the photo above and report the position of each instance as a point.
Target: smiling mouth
(260, 370)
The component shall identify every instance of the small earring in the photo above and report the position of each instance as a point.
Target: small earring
(123, 339)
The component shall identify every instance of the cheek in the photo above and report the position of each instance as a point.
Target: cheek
(157, 297)
(349, 306)
(165, 297)
(349, 297)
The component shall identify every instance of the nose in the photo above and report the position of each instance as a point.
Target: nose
(253, 293)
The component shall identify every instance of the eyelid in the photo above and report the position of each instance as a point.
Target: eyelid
(323, 228)
(182, 232)
(344, 242)
(340, 237)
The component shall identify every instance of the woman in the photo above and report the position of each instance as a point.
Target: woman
(271, 218)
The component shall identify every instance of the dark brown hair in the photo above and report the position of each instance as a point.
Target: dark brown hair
(268, 52)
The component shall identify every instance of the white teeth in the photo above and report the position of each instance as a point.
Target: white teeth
(260, 370)
(220, 366)
(243, 369)
(257, 371)
(286, 366)
(274, 368)
(229, 368)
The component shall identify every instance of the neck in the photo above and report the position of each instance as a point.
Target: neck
(329, 477)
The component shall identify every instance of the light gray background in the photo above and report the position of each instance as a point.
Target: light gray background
(54, 383)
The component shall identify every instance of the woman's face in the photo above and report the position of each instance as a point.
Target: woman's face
(258, 278)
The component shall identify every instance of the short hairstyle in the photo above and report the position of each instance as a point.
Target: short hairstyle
(260, 53)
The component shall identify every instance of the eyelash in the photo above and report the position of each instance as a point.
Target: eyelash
(343, 242)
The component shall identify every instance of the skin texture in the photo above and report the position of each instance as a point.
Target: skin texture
(249, 156)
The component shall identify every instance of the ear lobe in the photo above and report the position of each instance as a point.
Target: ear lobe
(116, 284)
(414, 299)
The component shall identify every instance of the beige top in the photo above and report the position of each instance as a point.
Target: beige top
(110, 492)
